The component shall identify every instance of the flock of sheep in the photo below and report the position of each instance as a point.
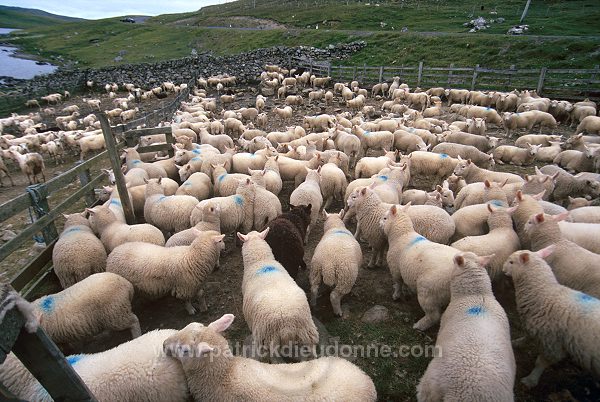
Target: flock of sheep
(399, 162)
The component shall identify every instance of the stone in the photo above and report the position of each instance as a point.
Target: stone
(375, 315)
(8, 235)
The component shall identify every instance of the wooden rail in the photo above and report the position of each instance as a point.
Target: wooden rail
(559, 82)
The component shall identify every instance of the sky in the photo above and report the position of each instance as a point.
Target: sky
(111, 8)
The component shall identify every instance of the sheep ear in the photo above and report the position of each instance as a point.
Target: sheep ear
(504, 184)
(539, 196)
(484, 260)
(242, 237)
(217, 239)
(67, 216)
(490, 208)
(405, 207)
(393, 210)
(439, 188)
(511, 209)
(524, 258)
(88, 210)
(546, 251)
(222, 323)
(539, 218)
(372, 185)
(264, 233)
(487, 183)
(520, 195)
(560, 217)
(459, 260)
(342, 213)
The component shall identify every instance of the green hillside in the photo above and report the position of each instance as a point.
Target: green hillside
(566, 36)
(17, 17)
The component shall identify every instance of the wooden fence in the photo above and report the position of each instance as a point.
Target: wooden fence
(557, 83)
(36, 196)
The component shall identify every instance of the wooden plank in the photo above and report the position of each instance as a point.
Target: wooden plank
(59, 182)
(14, 206)
(148, 131)
(116, 166)
(155, 148)
(34, 228)
(474, 79)
(39, 193)
(540, 84)
(11, 328)
(29, 272)
(46, 362)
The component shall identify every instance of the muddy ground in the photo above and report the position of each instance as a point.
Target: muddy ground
(395, 377)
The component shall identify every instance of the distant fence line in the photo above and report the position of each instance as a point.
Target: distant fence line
(559, 82)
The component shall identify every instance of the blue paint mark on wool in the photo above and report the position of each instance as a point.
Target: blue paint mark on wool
(114, 201)
(221, 177)
(476, 310)
(196, 151)
(187, 184)
(196, 159)
(238, 199)
(71, 230)
(383, 177)
(367, 133)
(47, 304)
(417, 240)
(266, 269)
(162, 197)
(74, 359)
(136, 161)
(443, 156)
(497, 203)
(342, 232)
(584, 298)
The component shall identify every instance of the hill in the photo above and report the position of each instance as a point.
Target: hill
(18, 17)
(561, 35)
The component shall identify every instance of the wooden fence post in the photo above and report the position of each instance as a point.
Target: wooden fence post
(592, 78)
(540, 85)
(364, 73)
(354, 74)
(381, 74)
(329, 70)
(450, 75)
(84, 178)
(474, 80)
(115, 162)
(511, 72)
(39, 201)
(289, 63)
(311, 67)
(420, 75)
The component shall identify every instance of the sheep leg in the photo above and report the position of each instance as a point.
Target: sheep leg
(336, 302)
(519, 342)
(135, 326)
(373, 259)
(201, 301)
(541, 363)
(432, 311)
(190, 308)
(328, 203)
(357, 233)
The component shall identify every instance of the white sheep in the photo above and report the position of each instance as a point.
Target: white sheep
(370, 165)
(572, 265)
(500, 242)
(516, 155)
(333, 181)
(31, 164)
(274, 306)
(471, 173)
(226, 184)
(158, 271)
(78, 253)
(168, 213)
(209, 364)
(113, 232)
(335, 261)
(198, 185)
(423, 266)
(309, 193)
(266, 207)
(269, 176)
(99, 302)
(132, 371)
(211, 220)
(565, 322)
(476, 361)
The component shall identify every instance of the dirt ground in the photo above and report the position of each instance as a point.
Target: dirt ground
(395, 377)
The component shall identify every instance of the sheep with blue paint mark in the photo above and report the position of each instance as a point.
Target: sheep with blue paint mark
(237, 211)
(573, 265)
(335, 261)
(269, 177)
(424, 267)
(472, 174)
(78, 253)
(180, 271)
(113, 233)
(242, 161)
(226, 184)
(99, 302)
(198, 185)
(275, 307)
(481, 192)
(137, 370)
(132, 160)
(430, 166)
(564, 322)
(168, 213)
(215, 374)
(432, 222)
(369, 165)
(475, 361)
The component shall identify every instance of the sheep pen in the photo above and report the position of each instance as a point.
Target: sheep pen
(395, 372)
